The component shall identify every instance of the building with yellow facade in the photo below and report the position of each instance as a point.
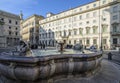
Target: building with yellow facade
(30, 29)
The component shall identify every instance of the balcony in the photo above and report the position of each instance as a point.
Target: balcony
(116, 33)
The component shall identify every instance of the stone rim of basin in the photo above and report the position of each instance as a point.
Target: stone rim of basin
(35, 59)
(44, 67)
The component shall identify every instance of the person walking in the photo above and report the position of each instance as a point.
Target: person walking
(109, 56)
(43, 46)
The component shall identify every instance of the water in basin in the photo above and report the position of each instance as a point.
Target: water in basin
(56, 52)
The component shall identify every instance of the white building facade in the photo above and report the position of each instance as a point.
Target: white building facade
(10, 29)
(96, 23)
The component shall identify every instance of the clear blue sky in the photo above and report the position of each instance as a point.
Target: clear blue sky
(40, 7)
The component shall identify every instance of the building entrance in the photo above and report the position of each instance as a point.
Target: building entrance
(64, 41)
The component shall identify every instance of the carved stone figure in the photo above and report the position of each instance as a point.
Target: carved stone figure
(78, 47)
(23, 48)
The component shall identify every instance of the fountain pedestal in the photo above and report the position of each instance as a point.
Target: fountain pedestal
(61, 49)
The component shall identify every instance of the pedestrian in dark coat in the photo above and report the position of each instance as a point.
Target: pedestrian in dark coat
(43, 46)
(109, 56)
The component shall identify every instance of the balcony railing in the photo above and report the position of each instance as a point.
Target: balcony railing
(116, 33)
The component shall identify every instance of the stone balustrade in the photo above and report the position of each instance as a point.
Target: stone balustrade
(45, 69)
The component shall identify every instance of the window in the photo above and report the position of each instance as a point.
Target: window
(60, 33)
(40, 35)
(115, 17)
(16, 22)
(10, 21)
(16, 28)
(74, 41)
(80, 17)
(115, 8)
(69, 25)
(69, 32)
(114, 28)
(87, 30)
(94, 5)
(104, 1)
(2, 19)
(80, 23)
(80, 41)
(64, 33)
(80, 9)
(94, 30)
(94, 14)
(94, 21)
(74, 18)
(69, 19)
(80, 31)
(114, 40)
(49, 25)
(94, 41)
(104, 19)
(104, 28)
(104, 12)
(75, 11)
(16, 33)
(64, 26)
(87, 22)
(104, 41)
(88, 41)
(87, 7)
(69, 41)
(75, 32)
(87, 15)
(10, 33)
(9, 27)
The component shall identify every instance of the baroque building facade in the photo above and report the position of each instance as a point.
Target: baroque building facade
(96, 23)
(9, 29)
(30, 29)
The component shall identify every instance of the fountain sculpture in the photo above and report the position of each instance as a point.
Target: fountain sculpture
(52, 68)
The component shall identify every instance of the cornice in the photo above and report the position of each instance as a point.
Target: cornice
(92, 9)
(10, 15)
(33, 16)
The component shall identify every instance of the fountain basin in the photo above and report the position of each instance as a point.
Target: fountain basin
(42, 68)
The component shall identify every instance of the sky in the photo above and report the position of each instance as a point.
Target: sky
(40, 7)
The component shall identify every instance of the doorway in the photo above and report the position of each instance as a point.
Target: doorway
(64, 41)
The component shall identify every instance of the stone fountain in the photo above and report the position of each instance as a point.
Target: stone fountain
(67, 67)
(61, 47)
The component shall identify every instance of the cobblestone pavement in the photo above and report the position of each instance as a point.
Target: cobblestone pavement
(109, 73)
(115, 57)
